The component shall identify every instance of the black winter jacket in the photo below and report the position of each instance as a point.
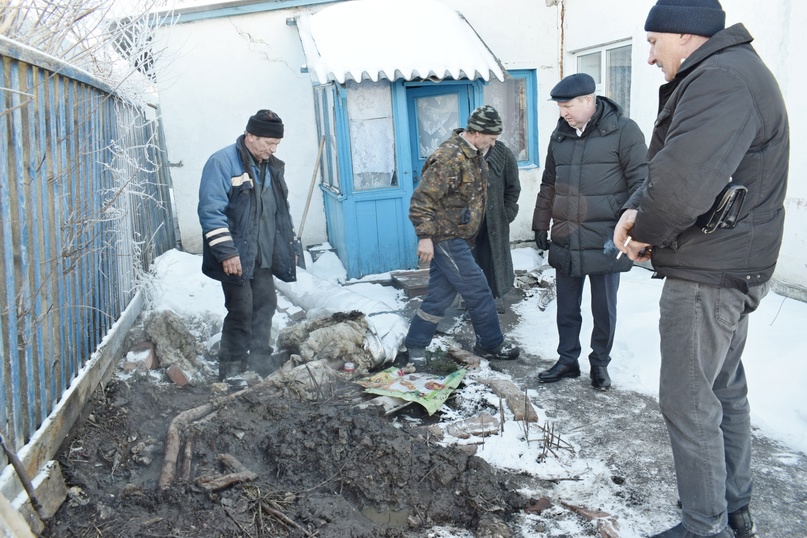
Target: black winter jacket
(586, 181)
(722, 117)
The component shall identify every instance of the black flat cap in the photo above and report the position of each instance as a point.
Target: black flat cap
(573, 86)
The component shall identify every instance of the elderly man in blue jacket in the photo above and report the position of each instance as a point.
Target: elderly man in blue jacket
(248, 237)
(722, 120)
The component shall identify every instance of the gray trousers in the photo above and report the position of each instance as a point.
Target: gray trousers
(703, 397)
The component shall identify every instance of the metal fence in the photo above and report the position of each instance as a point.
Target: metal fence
(84, 209)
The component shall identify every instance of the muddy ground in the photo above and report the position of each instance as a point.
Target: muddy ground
(330, 468)
(322, 467)
(318, 466)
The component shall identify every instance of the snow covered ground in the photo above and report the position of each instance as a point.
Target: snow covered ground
(773, 360)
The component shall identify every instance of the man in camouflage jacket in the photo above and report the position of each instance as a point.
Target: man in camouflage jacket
(447, 208)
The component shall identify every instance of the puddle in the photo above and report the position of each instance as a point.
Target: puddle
(389, 518)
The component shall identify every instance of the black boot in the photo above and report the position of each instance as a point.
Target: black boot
(559, 371)
(264, 364)
(600, 378)
(741, 523)
(229, 369)
(680, 532)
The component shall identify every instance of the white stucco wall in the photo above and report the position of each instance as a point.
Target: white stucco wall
(775, 27)
(218, 73)
(222, 70)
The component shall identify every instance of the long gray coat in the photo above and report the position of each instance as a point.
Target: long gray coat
(492, 248)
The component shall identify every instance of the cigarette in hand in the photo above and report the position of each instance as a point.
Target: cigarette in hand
(627, 242)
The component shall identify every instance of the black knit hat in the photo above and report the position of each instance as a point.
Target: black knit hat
(485, 120)
(698, 17)
(573, 86)
(265, 123)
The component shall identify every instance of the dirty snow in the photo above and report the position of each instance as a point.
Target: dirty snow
(773, 362)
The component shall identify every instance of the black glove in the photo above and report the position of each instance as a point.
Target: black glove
(541, 239)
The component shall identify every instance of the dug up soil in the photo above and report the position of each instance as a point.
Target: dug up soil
(272, 457)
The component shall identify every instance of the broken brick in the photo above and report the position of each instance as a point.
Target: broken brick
(176, 375)
(141, 356)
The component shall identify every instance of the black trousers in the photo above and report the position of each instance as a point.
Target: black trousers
(604, 290)
(248, 324)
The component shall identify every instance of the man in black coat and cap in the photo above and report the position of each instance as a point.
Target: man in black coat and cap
(595, 160)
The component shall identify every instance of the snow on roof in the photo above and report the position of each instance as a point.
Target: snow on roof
(409, 39)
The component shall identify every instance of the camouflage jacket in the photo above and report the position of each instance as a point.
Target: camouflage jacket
(449, 201)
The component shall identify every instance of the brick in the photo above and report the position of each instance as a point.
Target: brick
(479, 426)
(176, 375)
(517, 401)
(141, 355)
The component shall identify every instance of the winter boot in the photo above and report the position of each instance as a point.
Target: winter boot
(741, 523)
(504, 352)
(679, 531)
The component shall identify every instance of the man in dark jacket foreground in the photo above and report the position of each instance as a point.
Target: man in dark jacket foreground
(247, 237)
(721, 119)
(595, 160)
(447, 208)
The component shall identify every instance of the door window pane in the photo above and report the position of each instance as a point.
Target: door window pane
(326, 126)
(437, 117)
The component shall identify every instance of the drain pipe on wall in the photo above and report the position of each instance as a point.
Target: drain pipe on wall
(562, 44)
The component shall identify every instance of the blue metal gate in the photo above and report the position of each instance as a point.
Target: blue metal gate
(84, 209)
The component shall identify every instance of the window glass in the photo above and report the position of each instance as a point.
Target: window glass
(610, 66)
(437, 118)
(372, 134)
(617, 75)
(591, 64)
(326, 126)
(511, 99)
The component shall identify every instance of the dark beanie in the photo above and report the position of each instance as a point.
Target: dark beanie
(265, 123)
(485, 120)
(698, 17)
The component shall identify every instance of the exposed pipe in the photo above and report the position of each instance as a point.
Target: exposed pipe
(562, 36)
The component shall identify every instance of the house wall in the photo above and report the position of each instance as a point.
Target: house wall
(218, 73)
(775, 27)
(523, 35)
(224, 69)
(229, 67)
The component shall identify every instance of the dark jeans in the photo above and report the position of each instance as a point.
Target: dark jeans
(248, 324)
(703, 397)
(603, 309)
(452, 271)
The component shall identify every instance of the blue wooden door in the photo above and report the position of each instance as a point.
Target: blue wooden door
(368, 217)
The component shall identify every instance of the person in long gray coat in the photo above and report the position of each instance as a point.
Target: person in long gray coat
(492, 245)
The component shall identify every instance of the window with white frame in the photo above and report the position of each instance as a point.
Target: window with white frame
(610, 66)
